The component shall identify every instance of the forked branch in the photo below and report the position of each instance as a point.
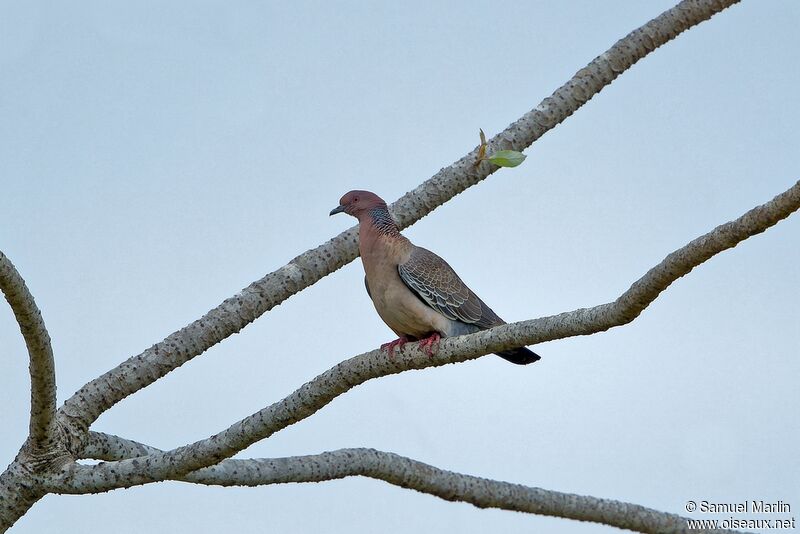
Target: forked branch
(312, 396)
(21, 484)
(411, 474)
(97, 396)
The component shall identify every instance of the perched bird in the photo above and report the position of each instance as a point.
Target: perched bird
(416, 293)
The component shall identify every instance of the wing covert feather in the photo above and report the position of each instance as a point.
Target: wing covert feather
(438, 285)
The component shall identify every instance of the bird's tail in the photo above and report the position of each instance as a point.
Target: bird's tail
(520, 356)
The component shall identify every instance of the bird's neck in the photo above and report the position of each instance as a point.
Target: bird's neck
(380, 221)
(378, 233)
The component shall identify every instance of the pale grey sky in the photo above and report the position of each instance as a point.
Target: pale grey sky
(157, 157)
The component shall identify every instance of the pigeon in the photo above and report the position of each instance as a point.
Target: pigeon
(416, 293)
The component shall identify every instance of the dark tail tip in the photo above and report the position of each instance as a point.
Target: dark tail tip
(520, 356)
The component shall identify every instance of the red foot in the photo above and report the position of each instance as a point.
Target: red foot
(399, 342)
(427, 344)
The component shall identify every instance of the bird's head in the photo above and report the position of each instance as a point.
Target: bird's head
(356, 203)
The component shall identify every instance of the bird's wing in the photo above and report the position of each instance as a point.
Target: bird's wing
(366, 284)
(438, 285)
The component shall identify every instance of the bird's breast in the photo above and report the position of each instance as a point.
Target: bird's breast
(397, 305)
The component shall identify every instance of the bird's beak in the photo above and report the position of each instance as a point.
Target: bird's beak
(337, 209)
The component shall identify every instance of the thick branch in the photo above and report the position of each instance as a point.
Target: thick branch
(235, 313)
(411, 474)
(40, 352)
(315, 394)
(17, 493)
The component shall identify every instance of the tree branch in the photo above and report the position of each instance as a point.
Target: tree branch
(18, 493)
(97, 396)
(108, 447)
(315, 394)
(40, 353)
(410, 474)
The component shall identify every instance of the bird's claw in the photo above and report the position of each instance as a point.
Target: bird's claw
(428, 343)
(399, 342)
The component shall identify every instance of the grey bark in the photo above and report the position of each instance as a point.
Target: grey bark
(97, 396)
(45, 463)
(18, 492)
(317, 393)
(410, 474)
(43, 450)
(40, 353)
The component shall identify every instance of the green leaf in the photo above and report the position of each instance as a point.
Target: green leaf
(507, 158)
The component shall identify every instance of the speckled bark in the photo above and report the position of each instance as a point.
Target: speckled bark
(43, 451)
(44, 463)
(18, 492)
(315, 394)
(447, 485)
(40, 355)
(587, 82)
(97, 396)
(411, 474)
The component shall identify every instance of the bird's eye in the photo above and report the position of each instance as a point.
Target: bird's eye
(355, 199)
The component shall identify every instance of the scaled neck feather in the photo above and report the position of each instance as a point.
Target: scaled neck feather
(381, 220)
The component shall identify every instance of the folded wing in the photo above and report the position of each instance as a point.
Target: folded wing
(438, 285)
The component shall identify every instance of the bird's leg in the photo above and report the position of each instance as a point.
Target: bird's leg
(399, 342)
(427, 344)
